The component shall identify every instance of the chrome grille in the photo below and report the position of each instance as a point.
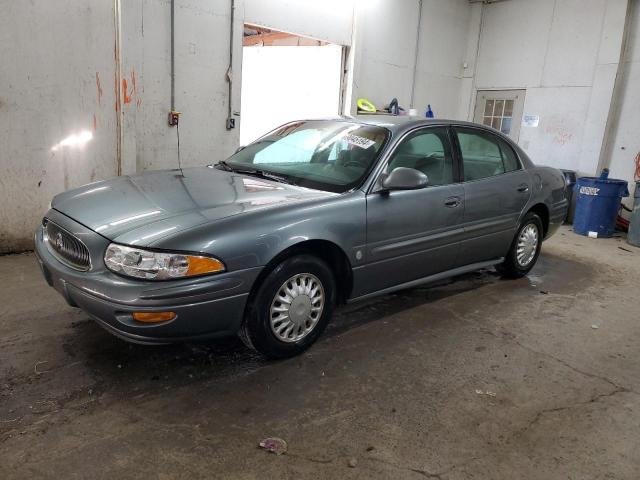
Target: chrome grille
(67, 248)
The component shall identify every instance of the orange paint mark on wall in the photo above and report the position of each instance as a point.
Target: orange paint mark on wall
(125, 93)
(99, 88)
(128, 95)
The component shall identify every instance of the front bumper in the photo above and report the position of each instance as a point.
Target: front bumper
(205, 307)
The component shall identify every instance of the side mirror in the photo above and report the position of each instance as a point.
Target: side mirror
(403, 178)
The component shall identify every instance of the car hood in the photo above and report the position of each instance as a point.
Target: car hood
(142, 209)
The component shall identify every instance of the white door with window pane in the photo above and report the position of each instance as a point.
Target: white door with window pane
(500, 109)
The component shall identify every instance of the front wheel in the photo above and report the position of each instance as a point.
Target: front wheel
(291, 307)
(525, 248)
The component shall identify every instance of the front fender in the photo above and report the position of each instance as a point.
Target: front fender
(253, 239)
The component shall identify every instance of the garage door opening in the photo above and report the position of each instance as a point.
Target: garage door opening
(286, 77)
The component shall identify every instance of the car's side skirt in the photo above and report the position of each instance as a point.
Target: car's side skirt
(429, 279)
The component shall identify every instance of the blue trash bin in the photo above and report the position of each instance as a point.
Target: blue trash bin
(597, 205)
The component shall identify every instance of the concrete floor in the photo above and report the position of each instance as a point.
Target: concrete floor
(478, 378)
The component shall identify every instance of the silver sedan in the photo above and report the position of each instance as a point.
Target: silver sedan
(313, 214)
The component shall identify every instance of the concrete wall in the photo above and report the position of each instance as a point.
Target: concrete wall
(624, 134)
(565, 53)
(56, 83)
(444, 35)
(328, 20)
(385, 53)
(382, 68)
(202, 29)
(59, 80)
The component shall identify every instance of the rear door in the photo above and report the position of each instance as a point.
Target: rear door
(496, 190)
(413, 233)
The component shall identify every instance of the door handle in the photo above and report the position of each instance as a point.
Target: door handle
(452, 202)
(523, 188)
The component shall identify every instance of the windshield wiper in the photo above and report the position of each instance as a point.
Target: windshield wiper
(253, 171)
(225, 166)
(267, 175)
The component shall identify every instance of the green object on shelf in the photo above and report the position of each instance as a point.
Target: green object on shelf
(366, 106)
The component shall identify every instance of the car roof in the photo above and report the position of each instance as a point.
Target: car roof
(400, 124)
(397, 123)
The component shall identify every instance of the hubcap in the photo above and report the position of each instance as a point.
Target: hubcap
(527, 245)
(296, 307)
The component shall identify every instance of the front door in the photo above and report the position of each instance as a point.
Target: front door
(413, 233)
(500, 109)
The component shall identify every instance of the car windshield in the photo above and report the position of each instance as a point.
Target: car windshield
(334, 156)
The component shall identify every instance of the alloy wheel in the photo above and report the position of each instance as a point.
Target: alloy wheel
(296, 307)
(527, 245)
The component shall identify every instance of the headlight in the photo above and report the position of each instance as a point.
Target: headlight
(138, 263)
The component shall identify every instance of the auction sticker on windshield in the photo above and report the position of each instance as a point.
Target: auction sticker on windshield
(358, 141)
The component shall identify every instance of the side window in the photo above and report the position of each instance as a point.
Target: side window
(511, 162)
(484, 155)
(428, 151)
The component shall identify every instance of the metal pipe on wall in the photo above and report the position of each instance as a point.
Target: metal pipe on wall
(474, 91)
(230, 119)
(619, 85)
(173, 57)
(415, 59)
(118, 64)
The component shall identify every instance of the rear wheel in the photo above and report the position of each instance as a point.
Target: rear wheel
(525, 248)
(290, 308)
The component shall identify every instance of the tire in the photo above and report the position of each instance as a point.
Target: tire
(291, 307)
(515, 266)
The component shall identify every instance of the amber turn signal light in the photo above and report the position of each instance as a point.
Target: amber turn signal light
(153, 317)
(202, 265)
